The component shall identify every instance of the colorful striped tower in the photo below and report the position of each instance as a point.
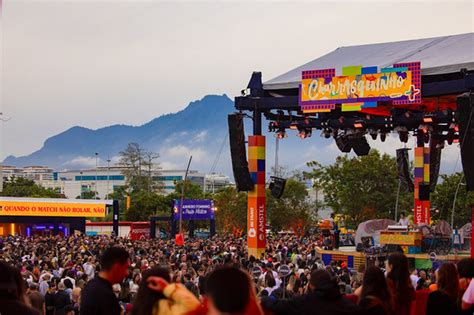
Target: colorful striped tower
(256, 211)
(422, 176)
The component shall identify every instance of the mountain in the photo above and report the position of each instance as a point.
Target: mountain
(199, 130)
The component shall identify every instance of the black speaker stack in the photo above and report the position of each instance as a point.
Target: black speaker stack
(465, 104)
(238, 153)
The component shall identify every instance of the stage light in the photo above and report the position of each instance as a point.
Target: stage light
(402, 133)
(427, 119)
(360, 146)
(272, 126)
(304, 133)
(343, 144)
(373, 134)
(383, 136)
(326, 133)
(358, 124)
(281, 134)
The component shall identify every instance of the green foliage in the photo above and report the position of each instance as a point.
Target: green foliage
(361, 187)
(443, 198)
(231, 214)
(191, 191)
(143, 205)
(21, 187)
(293, 210)
(88, 195)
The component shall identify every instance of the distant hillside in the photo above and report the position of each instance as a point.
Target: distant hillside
(199, 130)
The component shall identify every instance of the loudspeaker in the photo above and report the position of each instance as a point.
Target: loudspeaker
(277, 186)
(360, 146)
(424, 192)
(465, 118)
(403, 169)
(238, 153)
(343, 144)
(435, 161)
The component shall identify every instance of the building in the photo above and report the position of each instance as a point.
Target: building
(214, 182)
(36, 173)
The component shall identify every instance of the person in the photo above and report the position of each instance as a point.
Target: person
(324, 298)
(423, 281)
(399, 283)
(146, 298)
(13, 299)
(49, 298)
(443, 300)
(375, 297)
(97, 297)
(403, 219)
(61, 299)
(36, 299)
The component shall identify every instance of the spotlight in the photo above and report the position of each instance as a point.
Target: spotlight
(402, 133)
(383, 136)
(343, 144)
(281, 134)
(428, 119)
(272, 126)
(359, 124)
(326, 133)
(304, 133)
(360, 146)
(373, 134)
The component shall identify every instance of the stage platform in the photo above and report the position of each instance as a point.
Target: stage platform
(353, 258)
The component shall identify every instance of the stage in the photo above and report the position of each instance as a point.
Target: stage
(353, 258)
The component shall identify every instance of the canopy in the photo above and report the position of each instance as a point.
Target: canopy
(372, 228)
(438, 55)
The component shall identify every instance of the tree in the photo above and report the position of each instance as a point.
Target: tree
(139, 166)
(143, 205)
(293, 210)
(362, 187)
(22, 187)
(231, 214)
(443, 198)
(88, 195)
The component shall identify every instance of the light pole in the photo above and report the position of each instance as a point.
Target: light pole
(182, 198)
(96, 174)
(81, 184)
(454, 201)
(108, 178)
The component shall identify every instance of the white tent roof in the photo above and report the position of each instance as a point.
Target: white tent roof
(438, 55)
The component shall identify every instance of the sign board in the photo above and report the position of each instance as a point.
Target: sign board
(360, 87)
(53, 209)
(194, 209)
(139, 231)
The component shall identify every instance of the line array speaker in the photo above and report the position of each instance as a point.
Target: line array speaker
(238, 153)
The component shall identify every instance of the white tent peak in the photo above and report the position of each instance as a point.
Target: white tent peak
(438, 55)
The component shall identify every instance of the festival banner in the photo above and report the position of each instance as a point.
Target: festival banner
(360, 87)
(52, 209)
(421, 213)
(194, 210)
(256, 211)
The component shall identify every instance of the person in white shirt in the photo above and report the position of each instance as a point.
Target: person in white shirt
(468, 297)
(403, 220)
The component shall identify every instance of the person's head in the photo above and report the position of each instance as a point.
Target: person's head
(116, 288)
(68, 283)
(402, 215)
(228, 290)
(270, 282)
(146, 298)
(69, 310)
(466, 268)
(399, 274)
(33, 286)
(12, 285)
(324, 285)
(374, 284)
(448, 280)
(114, 263)
(422, 274)
(61, 286)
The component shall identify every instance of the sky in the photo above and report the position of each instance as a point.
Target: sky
(97, 63)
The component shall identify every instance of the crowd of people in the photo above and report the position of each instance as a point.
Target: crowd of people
(54, 275)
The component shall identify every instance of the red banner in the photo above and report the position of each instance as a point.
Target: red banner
(139, 231)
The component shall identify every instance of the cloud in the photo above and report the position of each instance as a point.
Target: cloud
(83, 161)
(201, 136)
(166, 165)
(182, 151)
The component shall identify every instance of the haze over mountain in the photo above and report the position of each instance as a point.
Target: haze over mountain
(199, 130)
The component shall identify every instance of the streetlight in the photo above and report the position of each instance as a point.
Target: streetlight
(96, 174)
(454, 201)
(81, 183)
(108, 178)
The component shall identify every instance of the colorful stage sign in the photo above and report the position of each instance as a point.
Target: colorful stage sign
(360, 87)
(422, 176)
(256, 211)
(194, 209)
(40, 209)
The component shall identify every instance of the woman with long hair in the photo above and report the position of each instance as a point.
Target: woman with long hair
(13, 299)
(399, 283)
(146, 298)
(375, 298)
(445, 299)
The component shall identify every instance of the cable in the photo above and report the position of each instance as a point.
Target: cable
(218, 156)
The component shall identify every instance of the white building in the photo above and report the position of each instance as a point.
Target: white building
(214, 182)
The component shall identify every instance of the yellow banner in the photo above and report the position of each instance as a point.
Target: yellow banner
(14, 208)
(365, 87)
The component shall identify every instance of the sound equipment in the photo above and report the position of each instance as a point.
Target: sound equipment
(403, 169)
(360, 146)
(343, 144)
(238, 153)
(435, 162)
(424, 192)
(277, 186)
(465, 104)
